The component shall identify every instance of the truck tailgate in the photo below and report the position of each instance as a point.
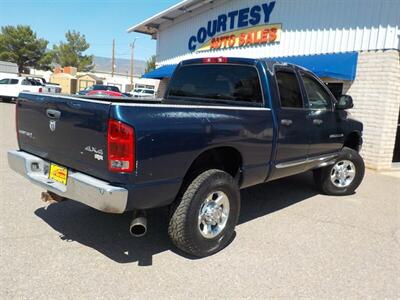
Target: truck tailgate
(65, 130)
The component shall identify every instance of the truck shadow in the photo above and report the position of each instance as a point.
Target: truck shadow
(108, 233)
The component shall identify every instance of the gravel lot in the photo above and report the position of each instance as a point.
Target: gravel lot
(290, 243)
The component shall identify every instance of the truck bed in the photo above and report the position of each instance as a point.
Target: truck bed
(169, 137)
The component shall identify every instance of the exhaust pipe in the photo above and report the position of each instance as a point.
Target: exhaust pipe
(138, 226)
(51, 197)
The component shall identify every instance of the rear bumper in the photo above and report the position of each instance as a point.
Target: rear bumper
(80, 187)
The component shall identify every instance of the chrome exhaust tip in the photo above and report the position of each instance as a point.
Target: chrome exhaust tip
(138, 226)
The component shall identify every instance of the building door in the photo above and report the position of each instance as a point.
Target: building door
(396, 152)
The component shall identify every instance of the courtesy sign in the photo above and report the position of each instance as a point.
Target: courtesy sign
(263, 34)
(242, 27)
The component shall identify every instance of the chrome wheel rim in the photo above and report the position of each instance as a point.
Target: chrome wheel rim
(213, 214)
(343, 173)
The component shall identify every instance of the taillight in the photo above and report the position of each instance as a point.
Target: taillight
(40, 90)
(121, 147)
(215, 60)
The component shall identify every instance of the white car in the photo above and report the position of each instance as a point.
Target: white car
(144, 93)
(48, 86)
(11, 87)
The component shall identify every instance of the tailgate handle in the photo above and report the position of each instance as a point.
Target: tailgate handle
(53, 114)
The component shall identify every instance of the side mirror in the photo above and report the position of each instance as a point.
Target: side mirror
(344, 102)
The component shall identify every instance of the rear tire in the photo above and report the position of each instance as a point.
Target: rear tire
(203, 220)
(343, 177)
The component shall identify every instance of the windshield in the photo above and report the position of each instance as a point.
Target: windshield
(105, 88)
(112, 88)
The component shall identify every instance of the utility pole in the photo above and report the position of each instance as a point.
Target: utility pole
(132, 57)
(113, 59)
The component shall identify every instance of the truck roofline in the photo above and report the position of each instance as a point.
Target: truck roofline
(270, 62)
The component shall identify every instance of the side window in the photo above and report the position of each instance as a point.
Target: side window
(318, 97)
(289, 89)
(13, 81)
(4, 81)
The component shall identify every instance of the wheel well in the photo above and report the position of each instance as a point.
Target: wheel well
(353, 141)
(227, 159)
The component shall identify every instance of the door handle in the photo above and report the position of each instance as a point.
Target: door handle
(53, 114)
(317, 121)
(286, 122)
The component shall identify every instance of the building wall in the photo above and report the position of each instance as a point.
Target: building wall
(40, 73)
(67, 82)
(7, 75)
(8, 69)
(308, 27)
(376, 94)
(85, 81)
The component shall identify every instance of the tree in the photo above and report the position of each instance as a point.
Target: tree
(150, 64)
(46, 62)
(71, 53)
(20, 45)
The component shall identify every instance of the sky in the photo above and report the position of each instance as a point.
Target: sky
(99, 20)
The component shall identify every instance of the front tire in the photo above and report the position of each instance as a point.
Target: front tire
(343, 177)
(203, 220)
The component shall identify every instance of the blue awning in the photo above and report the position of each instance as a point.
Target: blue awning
(340, 66)
(161, 72)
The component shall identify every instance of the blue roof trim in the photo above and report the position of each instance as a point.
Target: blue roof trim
(161, 72)
(342, 66)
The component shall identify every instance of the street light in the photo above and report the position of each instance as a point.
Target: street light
(132, 55)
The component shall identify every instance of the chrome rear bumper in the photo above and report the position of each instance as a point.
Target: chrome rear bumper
(80, 187)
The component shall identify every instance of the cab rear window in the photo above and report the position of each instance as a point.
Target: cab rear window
(232, 83)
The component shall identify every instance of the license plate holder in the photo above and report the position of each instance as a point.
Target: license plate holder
(58, 173)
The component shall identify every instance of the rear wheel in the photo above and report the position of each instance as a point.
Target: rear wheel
(344, 176)
(204, 219)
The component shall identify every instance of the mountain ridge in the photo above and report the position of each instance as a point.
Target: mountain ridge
(122, 65)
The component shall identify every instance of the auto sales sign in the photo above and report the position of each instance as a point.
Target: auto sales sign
(239, 28)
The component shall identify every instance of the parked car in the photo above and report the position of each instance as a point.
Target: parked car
(48, 86)
(105, 94)
(99, 87)
(11, 87)
(224, 124)
(144, 93)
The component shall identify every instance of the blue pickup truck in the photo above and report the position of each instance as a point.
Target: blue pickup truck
(223, 125)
